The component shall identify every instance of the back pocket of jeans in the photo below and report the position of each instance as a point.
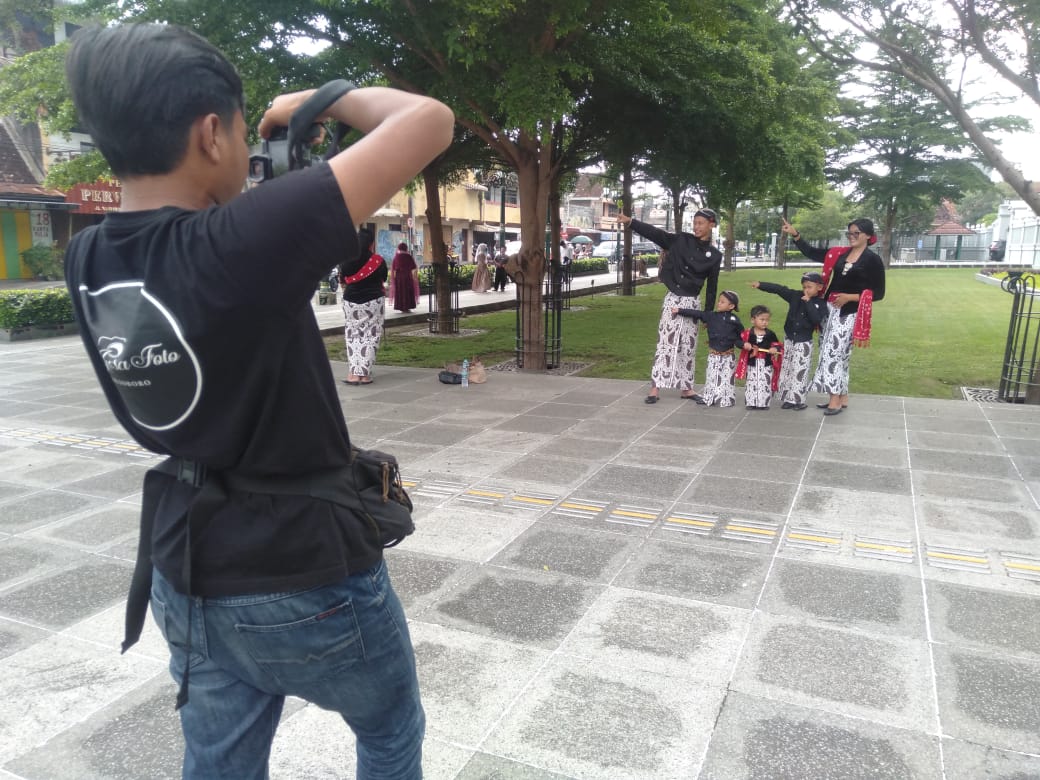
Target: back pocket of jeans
(309, 648)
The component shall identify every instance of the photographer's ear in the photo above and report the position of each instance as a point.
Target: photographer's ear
(211, 137)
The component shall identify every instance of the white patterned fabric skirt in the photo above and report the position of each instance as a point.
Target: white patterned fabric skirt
(794, 372)
(832, 372)
(758, 387)
(719, 382)
(676, 344)
(362, 332)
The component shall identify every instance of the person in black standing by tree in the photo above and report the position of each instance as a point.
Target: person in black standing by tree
(853, 277)
(691, 263)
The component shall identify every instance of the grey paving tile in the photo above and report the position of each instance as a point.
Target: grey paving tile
(97, 529)
(1016, 447)
(858, 512)
(530, 424)
(841, 452)
(771, 468)
(584, 554)
(51, 686)
(592, 450)
(467, 462)
(469, 681)
(760, 739)
(757, 444)
(960, 424)
(986, 620)
(10, 490)
(58, 599)
(741, 495)
(510, 441)
(40, 508)
(876, 479)
(22, 558)
(570, 719)
(953, 442)
(418, 579)
(434, 434)
(666, 635)
(566, 411)
(483, 766)
(550, 470)
(684, 437)
(700, 420)
(15, 636)
(117, 483)
(637, 481)
(987, 523)
(599, 398)
(843, 596)
(847, 428)
(688, 460)
(695, 572)
(470, 535)
(101, 746)
(1029, 468)
(887, 680)
(65, 468)
(989, 699)
(933, 486)
(595, 429)
(968, 761)
(969, 463)
(1019, 427)
(606, 519)
(530, 608)
(370, 429)
(780, 422)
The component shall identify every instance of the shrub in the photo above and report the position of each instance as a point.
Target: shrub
(21, 308)
(45, 262)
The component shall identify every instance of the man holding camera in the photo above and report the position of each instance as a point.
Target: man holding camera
(194, 305)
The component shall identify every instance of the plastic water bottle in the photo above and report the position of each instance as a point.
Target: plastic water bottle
(465, 372)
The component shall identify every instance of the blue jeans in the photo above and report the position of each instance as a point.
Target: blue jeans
(344, 647)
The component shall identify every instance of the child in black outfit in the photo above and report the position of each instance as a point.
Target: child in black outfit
(724, 333)
(759, 360)
(806, 312)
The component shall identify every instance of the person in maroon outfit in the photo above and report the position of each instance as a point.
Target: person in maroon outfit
(404, 280)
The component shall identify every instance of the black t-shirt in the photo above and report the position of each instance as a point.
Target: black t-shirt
(201, 332)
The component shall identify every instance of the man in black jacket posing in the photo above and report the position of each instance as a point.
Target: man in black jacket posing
(692, 261)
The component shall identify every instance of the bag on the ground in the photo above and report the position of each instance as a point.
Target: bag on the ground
(452, 373)
(381, 495)
(449, 377)
(477, 372)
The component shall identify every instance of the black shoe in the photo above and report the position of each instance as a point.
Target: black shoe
(699, 400)
(827, 406)
(799, 407)
(831, 412)
(787, 405)
(650, 399)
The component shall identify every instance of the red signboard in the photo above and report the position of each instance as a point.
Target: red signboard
(96, 198)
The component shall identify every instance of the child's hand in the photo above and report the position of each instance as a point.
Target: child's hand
(754, 284)
(774, 351)
(748, 346)
(675, 311)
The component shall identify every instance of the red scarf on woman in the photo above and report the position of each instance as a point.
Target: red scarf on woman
(861, 328)
(367, 270)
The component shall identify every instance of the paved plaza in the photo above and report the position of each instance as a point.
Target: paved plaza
(596, 588)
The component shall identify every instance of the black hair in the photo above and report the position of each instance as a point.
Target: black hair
(864, 225)
(139, 87)
(365, 237)
(756, 310)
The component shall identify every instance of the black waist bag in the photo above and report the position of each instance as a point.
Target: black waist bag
(370, 487)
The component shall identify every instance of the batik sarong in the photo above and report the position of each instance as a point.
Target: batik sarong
(794, 372)
(363, 330)
(676, 344)
(832, 372)
(719, 382)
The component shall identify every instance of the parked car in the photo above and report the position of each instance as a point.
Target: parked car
(996, 250)
(639, 247)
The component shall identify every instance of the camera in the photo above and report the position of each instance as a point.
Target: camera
(289, 148)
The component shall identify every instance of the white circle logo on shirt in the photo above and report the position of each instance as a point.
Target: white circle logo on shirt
(153, 368)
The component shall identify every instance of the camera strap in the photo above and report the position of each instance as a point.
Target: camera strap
(306, 116)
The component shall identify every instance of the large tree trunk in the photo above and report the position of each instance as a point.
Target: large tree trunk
(442, 279)
(528, 267)
(730, 241)
(886, 233)
(627, 285)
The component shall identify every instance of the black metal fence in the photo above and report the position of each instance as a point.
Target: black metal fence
(1019, 380)
(433, 274)
(556, 296)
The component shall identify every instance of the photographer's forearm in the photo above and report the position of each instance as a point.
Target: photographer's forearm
(403, 133)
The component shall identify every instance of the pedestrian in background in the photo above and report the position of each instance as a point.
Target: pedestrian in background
(404, 280)
(363, 308)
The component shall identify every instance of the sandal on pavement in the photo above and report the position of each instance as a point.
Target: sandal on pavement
(650, 399)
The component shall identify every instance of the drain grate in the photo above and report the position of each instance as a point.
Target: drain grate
(980, 395)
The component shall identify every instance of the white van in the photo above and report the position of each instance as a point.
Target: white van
(640, 246)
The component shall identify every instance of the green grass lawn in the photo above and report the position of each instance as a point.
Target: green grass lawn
(936, 331)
